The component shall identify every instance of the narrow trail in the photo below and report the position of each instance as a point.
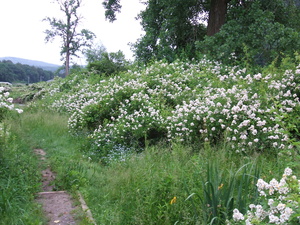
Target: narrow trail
(58, 206)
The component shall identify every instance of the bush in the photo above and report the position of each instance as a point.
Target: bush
(192, 102)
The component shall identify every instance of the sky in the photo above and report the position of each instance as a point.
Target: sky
(22, 29)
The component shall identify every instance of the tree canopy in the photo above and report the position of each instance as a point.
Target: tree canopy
(219, 28)
(105, 63)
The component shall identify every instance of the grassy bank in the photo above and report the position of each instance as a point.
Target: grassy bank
(166, 184)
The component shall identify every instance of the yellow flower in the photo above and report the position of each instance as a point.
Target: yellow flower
(173, 200)
(220, 186)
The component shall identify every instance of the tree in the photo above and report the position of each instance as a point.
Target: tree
(256, 33)
(216, 9)
(95, 53)
(67, 30)
(172, 27)
(10, 72)
(107, 64)
(111, 6)
(217, 16)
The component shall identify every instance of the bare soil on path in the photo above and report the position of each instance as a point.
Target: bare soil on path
(58, 206)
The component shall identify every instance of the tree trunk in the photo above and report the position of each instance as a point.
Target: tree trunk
(217, 16)
(67, 63)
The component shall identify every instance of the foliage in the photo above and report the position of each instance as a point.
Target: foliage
(95, 53)
(207, 133)
(10, 72)
(111, 6)
(6, 105)
(221, 192)
(72, 40)
(152, 187)
(200, 103)
(108, 64)
(252, 31)
(171, 28)
(256, 34)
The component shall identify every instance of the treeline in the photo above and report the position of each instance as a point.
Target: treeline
(10, 72)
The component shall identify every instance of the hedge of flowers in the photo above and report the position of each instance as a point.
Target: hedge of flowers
(279, 202)
(185, 101)
(6, 103)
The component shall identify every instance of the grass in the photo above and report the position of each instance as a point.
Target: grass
(19, 181)
(206, 182)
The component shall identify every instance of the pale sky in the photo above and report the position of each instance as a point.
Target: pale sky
(22, 30)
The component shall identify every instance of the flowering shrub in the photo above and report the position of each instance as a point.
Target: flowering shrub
(279, 202)
(6, 103)
(185, 101)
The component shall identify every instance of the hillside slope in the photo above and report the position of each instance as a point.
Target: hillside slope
(40, 64)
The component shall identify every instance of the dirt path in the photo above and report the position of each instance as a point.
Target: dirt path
(57, 205)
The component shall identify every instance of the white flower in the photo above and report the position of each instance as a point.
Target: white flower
(10, 100)
(274, 219)
(287, 172)
(237, 216)
(261, 185)
(243, 137)
(280, 207)
(270, 202)
(274, 184)
(19, 110)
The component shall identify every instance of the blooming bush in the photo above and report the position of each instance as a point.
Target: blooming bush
(278, 204)
(6, 104)
(186, 101)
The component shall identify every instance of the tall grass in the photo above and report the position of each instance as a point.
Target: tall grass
(165, 184)
(19, 180)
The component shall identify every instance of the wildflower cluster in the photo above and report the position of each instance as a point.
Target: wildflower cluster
(6, 103)
(189, 102)
(279, 202)
(247, 113)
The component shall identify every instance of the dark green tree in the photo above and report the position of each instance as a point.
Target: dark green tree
(257, 32)
(216, 9)
(67, 30)
(260, 29)
(106, 63)
(10, 72)
(172, 27)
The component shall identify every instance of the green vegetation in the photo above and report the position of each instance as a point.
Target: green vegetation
(155, 173)
(172, 141)
(19, 179)
(13, 73)
(232, 31)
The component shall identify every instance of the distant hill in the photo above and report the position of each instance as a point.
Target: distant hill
(40, 64)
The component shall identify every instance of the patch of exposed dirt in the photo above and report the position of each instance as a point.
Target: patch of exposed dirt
(57, 205)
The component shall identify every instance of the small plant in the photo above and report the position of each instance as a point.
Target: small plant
(220, 192)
